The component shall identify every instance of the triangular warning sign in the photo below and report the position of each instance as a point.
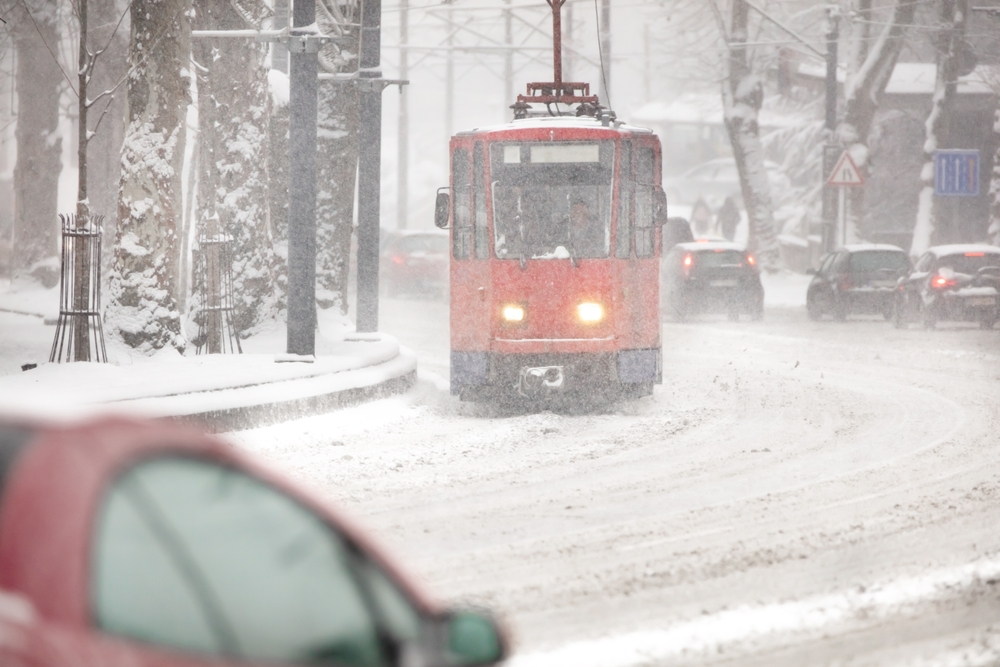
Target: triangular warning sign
(846, 172)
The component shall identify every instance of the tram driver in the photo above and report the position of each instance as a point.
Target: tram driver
(586, 235)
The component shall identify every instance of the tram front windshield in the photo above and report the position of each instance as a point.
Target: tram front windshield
(552, 200)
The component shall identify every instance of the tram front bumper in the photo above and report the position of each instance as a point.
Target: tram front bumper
(554, 372)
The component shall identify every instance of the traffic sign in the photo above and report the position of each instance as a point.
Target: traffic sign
(956, 173)
(846, 173)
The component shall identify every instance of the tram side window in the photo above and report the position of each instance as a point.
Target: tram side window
(644, 229)
(623, 238)
(461, 234)
(479, 176)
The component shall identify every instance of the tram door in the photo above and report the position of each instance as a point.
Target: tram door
(471, 289)
(636, 242)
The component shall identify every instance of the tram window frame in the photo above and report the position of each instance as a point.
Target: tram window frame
(480, 226)
(462, 205)
(644, 174)
(623, 232)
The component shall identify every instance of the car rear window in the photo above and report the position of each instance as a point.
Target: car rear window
(873, 260)
(437, 244)
(717, 258)
(970, 262)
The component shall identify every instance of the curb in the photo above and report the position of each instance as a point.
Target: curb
(256, 416)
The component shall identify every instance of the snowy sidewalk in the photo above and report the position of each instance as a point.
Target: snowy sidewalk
(223, 392)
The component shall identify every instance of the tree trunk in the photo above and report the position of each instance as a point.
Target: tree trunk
(742, 96)
(861, 98)
(337, 159)
(233, 98)
(104, 171)
(994, 230)
(39, 147)
(142, 309)
(954, 14)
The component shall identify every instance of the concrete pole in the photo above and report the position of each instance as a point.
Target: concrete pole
(605, 39)
(831, 150)
(508, 59)
(369, 163)
(403, 132)
(302, 84)
(449, 76)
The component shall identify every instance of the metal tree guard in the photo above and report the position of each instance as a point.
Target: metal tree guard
(215, 325)
(80, 293)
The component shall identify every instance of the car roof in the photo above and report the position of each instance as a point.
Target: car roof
(962, 248)
(862, 247)
(697, 246)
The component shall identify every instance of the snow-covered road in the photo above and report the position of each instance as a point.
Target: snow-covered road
(794, 493)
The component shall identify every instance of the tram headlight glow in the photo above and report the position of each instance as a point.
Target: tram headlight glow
(590, 312)
(512, 312)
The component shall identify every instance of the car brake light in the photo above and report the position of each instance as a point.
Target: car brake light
(398, 259)
(975, 254)
(751, 260)
(687, 264)
(845, 284)
(940, 282)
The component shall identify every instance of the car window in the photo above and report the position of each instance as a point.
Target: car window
(873, 260)
(461, 188)
(925, 262)
(824, 267)
(195, 556)
(839, 263)
(969, 262)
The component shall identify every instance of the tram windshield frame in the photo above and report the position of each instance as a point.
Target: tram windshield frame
(552, 200)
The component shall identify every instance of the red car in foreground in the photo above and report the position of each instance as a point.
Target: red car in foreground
(147, 544)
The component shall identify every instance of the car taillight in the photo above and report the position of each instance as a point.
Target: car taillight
(940, 282)
(398, 259)
(687, 264)
(751, 260)
(845, 284)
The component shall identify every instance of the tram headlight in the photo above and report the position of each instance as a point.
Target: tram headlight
(590, 312)
(512, 313)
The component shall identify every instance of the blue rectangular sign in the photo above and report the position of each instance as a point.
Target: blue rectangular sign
(956, 173)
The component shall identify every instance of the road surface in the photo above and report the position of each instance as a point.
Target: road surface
(795, 493)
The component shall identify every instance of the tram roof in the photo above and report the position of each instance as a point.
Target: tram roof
(549, 122)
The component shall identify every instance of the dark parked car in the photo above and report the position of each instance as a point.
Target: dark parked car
(415, 262)
(952, 282)
(857, 278)
(712, 277)
(137, 544)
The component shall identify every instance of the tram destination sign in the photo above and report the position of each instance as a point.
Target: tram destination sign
(956, 173)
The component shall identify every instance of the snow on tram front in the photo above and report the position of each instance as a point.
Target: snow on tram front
(555, 223)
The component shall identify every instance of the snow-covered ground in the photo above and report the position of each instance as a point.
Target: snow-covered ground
(795, 493)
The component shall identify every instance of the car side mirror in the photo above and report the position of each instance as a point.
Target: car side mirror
(472, 638)
(442, 209)
(659, 206)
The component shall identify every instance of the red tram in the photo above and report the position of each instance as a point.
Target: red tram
(555, 243)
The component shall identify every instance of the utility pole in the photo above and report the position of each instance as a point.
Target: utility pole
(831, 149)
(279, 54)
(508, 58)
(403, 132)
(605, 40)
(302, 85)
(370, 85)
(449, 74)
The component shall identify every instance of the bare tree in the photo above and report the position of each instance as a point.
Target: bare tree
(337, 148)
(40, 79)
(142, 310)
(233, 112)
(863, 91)
(742, 96)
